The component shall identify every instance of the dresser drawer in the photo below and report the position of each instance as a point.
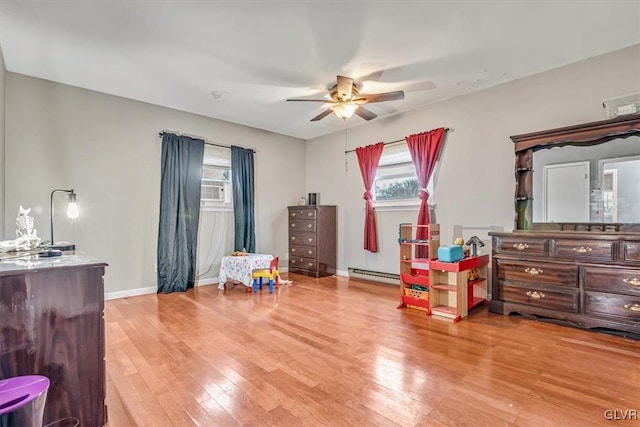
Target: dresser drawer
(297, 238)
(303, 251)
(630, 251)
(612, 279)
(302, 213)
(302, 263)
(563, 300)
(538, 272)
(302, 224)
(526, 246)
(583, 249)
(613, 305)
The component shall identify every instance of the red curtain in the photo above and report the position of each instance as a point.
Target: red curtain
(368, 158)
(425, 149)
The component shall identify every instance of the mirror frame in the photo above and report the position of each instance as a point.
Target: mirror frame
(585, 134)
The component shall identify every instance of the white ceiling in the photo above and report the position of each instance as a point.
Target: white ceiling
(256, 54)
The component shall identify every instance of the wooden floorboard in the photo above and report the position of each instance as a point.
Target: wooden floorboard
(336, 352)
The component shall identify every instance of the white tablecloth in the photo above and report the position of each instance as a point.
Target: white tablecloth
(240, 268)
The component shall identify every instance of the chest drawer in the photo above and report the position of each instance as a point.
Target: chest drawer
(296, 238)
(538, 272)
(630, 251)
(563, 300)
(583, 249)
(523, 245)
(613, 305)
(612, 279)
(302, 225)
(302, 263)
(303, 251)
(302, 213)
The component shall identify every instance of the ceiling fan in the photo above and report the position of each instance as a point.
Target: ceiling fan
(346, 100)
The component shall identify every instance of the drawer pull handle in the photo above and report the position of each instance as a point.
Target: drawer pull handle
(310, 264)
(310, 239)
(309, 225)
(634, 307)
(533, 271)
(583, 250)
(310, 214)
(293, 214)
(310, 252)
(293, 249)
(293, 238)
(535, 294)
(633, 281)
(520, 246)
(293, 225)
(293, 261)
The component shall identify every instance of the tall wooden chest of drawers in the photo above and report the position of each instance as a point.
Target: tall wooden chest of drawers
(312, 240)
(591, 280)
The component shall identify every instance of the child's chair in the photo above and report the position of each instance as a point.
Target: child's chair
(272, 274)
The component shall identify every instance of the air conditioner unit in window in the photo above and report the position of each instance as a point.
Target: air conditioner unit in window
(212, 191)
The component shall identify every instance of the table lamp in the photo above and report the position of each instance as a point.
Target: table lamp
(72, 212)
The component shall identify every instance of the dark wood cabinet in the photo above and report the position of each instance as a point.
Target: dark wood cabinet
(52, 324)
(584, 273)
(581, 278)
(312, 240)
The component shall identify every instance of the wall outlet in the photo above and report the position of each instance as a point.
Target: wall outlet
(155, 267)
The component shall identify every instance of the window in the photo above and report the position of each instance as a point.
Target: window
(216, 192)
(396, 182)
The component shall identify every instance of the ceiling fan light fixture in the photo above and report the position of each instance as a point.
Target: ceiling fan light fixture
(344, 110)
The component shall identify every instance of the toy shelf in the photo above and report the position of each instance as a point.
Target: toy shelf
(458, 286)
(418, 247)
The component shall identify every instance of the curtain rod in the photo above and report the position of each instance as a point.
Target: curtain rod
(205, 142)
(390, 142)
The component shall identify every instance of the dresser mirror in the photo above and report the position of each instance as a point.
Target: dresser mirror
(579, 178)
(582, 184)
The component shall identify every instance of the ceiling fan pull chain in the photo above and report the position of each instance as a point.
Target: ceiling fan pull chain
(345, 148)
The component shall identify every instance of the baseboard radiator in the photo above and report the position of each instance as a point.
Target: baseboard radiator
(374, 276)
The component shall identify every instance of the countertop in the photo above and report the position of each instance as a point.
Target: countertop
(14, 263)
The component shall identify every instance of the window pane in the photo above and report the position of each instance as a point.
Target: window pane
(396, 188)
(215, 173)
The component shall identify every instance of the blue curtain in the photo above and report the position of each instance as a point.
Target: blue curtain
(181, 175)
(243, 195)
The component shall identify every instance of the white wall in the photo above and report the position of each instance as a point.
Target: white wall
(2, 108)
(107, 148)
(475, 186)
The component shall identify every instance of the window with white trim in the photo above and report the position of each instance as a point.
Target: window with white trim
(216, 192)
(396, 182)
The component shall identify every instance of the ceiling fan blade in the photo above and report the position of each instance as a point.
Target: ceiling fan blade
(312, 100)
(365, 114)
(322, 115)
(345, 87)
(380, 97)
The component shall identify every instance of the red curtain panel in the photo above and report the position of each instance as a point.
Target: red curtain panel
(368, 159)
(424, 148)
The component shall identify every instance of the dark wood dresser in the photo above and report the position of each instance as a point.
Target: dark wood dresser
(575, 253)
(312, 240)
(52, 324)
(590, 280)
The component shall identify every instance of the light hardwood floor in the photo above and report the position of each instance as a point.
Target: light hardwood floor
(337, 352)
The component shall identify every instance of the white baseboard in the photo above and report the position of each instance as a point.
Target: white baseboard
(150, 290)
(130, 293)
(209, 281)
(344, 273)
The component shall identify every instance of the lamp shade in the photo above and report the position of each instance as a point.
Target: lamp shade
(72, 208)
(345, 110)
